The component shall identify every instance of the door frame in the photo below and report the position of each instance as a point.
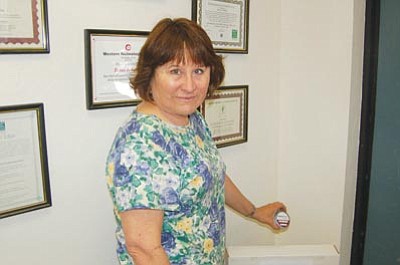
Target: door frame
(370, 68)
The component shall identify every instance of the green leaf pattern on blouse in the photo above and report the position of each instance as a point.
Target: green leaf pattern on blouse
(177, 169)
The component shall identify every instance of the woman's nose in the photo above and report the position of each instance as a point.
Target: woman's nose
(189, 83)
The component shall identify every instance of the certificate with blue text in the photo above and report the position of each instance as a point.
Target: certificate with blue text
(24, 176)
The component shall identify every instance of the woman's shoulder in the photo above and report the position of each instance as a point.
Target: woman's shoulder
(137, 123)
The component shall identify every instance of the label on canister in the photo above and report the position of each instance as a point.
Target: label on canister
(282, 219)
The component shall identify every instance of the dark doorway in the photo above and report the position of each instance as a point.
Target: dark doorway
(376, 234)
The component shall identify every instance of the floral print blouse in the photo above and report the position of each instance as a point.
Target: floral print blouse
(177, 169)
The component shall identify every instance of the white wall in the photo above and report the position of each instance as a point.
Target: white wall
(314, 104)
(300, 73)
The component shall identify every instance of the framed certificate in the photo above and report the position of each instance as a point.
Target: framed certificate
(24, 26)
(226, 23)
(110, 57)
(226, 113)
(24, 174)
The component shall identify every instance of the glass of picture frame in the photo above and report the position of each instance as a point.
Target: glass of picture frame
(24, 27)
(110, 57)
(24, 174)
(226, 23)
(226, 113)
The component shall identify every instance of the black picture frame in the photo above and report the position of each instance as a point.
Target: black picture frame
(25, 184)
(109, 61)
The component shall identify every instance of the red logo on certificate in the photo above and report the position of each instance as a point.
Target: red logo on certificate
(128, 47)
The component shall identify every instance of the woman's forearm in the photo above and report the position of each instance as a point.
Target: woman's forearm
(236, 200)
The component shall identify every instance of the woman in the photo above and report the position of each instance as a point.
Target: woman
(165, 175)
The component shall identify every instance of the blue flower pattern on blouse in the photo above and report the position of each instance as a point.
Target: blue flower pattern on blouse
(155, 165)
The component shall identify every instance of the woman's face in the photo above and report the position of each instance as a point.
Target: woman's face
(178, 89)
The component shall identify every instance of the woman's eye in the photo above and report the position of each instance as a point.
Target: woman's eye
(199, 71)
(175, 71)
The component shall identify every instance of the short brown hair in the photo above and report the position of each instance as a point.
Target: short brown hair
(169, 40)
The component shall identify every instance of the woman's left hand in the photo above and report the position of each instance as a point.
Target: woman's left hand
(265, 214)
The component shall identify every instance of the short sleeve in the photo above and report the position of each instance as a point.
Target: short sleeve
(142, 177)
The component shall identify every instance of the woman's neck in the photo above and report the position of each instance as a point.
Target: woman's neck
(146, 107)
